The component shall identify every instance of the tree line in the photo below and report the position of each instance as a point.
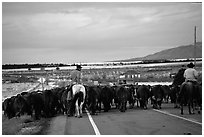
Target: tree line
(29, 66)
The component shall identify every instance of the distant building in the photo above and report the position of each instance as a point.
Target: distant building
(129, 77)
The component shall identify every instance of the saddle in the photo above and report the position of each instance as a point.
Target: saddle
(192, 81)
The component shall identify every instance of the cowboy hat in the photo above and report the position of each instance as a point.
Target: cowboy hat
(191, 65)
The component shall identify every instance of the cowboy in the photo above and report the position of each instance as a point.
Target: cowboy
(191, 74)
(75, 80)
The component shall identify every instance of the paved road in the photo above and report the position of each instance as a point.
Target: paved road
(166, 121)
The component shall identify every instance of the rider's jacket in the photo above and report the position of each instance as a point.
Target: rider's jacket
(190, 74)
(76, 76)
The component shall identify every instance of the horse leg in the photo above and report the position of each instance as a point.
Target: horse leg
(159, 104)
(80, 110)
(193, 108)
(190, 106)
(76, 109)
(181, 105)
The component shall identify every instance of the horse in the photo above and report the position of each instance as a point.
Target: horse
(188, 94)
(175, 89)
(79, 94)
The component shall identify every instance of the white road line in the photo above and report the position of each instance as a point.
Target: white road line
(93, 124)
(166, 113)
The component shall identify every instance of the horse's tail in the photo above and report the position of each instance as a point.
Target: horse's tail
(186, 90)
(78, 96)
(182, 90)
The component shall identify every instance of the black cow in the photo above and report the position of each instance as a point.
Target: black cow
(50, 103)
(122, 97)
(64, 101)
(106, 97)
(143, 94)
(35, 102)
(167, 92)
(14, 106)
(57, 92)
(92, 97)
(131, 95)
(157, 95)
(8, 107)
(20, 105)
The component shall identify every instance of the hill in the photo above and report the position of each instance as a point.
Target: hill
(181, 52)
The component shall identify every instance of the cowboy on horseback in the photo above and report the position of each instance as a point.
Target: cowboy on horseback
(189, 89)
(75, 79)
(191, 74)
(76, 87)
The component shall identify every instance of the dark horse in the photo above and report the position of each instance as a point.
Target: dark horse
(189, 95)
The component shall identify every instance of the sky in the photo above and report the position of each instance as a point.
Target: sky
(68, 32)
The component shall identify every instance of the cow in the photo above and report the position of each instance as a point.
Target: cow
(143, 94)
(106, 97)
(131, 95)
(57, 92)
(36, 104)
(50, 103)
(8, 107)
(167, 92)
(64, 100)
(92, 99)
(20, 105)
(122, 97)
(157, 95)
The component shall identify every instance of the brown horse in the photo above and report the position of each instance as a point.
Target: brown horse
(189, 94)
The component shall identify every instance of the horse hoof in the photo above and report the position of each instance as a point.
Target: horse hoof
(79, 116)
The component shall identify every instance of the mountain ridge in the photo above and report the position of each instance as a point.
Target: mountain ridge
(180, 52)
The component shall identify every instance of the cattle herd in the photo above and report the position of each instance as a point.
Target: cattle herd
(49, 103)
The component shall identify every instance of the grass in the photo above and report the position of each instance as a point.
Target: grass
(24, 125)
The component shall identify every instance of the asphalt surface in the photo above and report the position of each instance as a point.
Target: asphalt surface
(166, 121)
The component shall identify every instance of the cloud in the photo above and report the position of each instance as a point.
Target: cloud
(98, 27)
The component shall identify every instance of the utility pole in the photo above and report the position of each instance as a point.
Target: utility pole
(195, 46)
